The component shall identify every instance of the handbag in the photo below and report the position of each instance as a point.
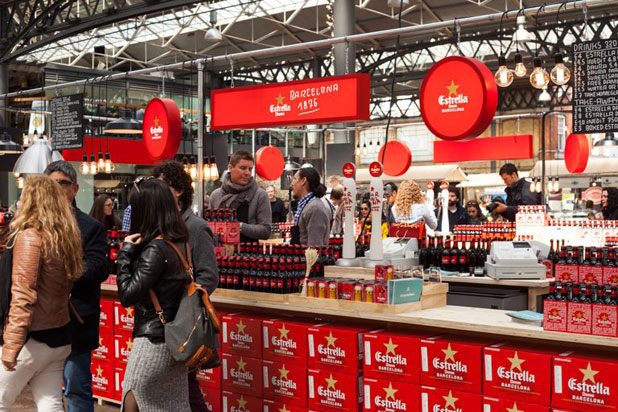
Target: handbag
(192, 336)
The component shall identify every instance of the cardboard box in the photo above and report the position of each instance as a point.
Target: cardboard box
(285, 383)
(231, 232)
(585, 383)
(238, 402)
(220, 252)
(272, 406)
(506, 405)
(241, 375)
(119, 371)
(285, 342)
(336, 348)
(404, 290)
(123, 318)
(242, 335)
(105, 351)
(448, 400)
(605, 320)
(391, 355)
(517, 372)
(590, 274)
(566, 273)
(102, 378)
(382, 395)
(212, 399)
(452, 362)
(579, 318)
(209, 378)
(610, 275)
(123, 343)
(555, 315)
(106, 317)
(332, 391)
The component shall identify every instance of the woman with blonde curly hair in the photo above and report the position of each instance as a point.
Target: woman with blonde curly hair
(410, 205)
(47, 259)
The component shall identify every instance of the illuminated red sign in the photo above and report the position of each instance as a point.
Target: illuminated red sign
(576, 153)
(444, 185)
(313, 101)
(375, 169)
(348, 170)
(458, 99)
(429, 185)
(269, 162)
(396, 158)
(484, 148)
(161, 128)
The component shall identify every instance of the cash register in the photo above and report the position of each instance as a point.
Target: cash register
(514, 260)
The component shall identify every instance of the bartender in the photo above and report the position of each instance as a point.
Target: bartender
(240, 192)
(517, 193)
(312, 219)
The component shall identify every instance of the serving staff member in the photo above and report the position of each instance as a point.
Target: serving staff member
(240, 192)
(312, 219)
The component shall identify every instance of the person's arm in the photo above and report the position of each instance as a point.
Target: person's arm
(95, 259)
(138, 274)
(204, 261)
(126, 219)
(261, 229)
(430, 218)
(317, 225)
(26, 264)
(213, 202)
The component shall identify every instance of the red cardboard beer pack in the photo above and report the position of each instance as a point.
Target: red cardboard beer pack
(242, 335)
(382, 395)
(241, 374)
(506, 405)
(105, 351)
(238, 402)
(231, 232)
(106, 317)
(579, 319)
(272, 406)
(610, 275)
(555, 315)
(585, 383)
(123, 343)
(336, 348)
(119, 371)
(605, 320)
(566, 273)
(391, 355)
(517, 372)
(285, 383)
(123, 318)
(449, 400)
(212, 399)
(590, 274)
(451, 362)
(209, 378)
(332, 391)
(102, 379)
(285, 342)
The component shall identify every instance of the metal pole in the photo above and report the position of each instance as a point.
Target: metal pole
(200, 138)
(424, 28)
(253, 148)
(543, 149)
(4, 88)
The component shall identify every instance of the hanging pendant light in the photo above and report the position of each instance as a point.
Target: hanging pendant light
(521, 35)
(213, 35)
(556, 184)
(185, 164)
(520, 68)
(193, 169)
(364, 151)
(370, 148)
(101, 161)
(504, 76)
(93, 165)
(84, 168)
(539, 77)
(25, 139)
(206, 170)
(544, 96)
(606, 147)
(560, 74)
(8, 146)
(214, 170)
(357, 151)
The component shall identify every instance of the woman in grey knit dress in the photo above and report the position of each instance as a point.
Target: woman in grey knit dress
(153, 382)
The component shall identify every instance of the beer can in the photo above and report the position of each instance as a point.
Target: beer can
(390, 272)
(322, 286)
(332, 289)
(311, 288)
(369, 293)
(358, 292)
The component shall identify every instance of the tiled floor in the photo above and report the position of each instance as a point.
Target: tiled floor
(25, 404)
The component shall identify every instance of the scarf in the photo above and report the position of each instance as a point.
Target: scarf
(235, 195)
(301, 205)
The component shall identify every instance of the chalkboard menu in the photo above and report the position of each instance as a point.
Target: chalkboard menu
(595, 97)
(67, 122)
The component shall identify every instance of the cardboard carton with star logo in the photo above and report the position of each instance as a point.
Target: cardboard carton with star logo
(330, 391)
(336, 348)
(123, 318)
(285, 383)
(590, 274)
(209, 378)
(106, 317)
(383, 395)
(102, 379)
(392, 355)
(585, 383)
(579, 318)
(452, 362)
(285, 341)
(518, 372)
(604, 320)
(272, 406)
(123, 343)
(505, 405)
(555, 314)
(242, 334)
(566, 273)
(119, 371)
(610, 275)
(105, 351)
(212, 398)
(238, 402)
(241, 374)
(448, 400)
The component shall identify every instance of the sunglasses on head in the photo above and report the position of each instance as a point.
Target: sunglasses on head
(140, 180)
(472, 203)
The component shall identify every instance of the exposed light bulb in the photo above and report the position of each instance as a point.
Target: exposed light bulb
(364, 151)
(16, 175)
(539, 77)
(560, 74)
(101, 161)
(504, 76)
(556, 184)
(84, 168)
(20, 182)
(520, 68)
(214, 170)
(539, 186)
(206, 172)
(93, 167)
(109, 166)
(357, 151)
(25, 139)
(193, 171)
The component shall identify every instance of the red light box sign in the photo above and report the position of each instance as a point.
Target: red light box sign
(485, 148)
(323, 100)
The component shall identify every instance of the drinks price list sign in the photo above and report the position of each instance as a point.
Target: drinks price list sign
(67, 126)
(595, 97)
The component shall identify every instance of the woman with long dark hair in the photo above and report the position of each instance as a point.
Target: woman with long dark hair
(609, 203)
(154, 381)
(312, 219)
(103, 211)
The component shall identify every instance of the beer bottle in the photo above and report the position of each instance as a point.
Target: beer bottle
(454, 267)
(584, 294)
(570, 297)
(560, 296)
(446, 258)
(552, 291)
(260, 275)
(593, 293)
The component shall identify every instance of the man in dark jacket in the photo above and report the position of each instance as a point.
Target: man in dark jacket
(85, 296)
(457, 215)
(517, 192)
(276, 205)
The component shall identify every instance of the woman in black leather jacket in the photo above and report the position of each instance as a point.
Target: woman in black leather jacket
(154, 381)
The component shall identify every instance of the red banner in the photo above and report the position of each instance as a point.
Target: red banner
(485, 148)
(313, 101)
(126, 151)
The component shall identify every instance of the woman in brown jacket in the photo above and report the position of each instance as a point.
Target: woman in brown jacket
(47, 259)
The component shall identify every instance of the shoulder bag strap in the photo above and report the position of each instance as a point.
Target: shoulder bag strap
(187, 265)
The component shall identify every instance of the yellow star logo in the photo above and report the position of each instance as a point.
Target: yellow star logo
(449, 353)
(99, 372)
(156, 122)
(241, 402)
(241, 327)
(554, 312)
(514, 408)
(100, 341)
(390, 392)
(284, 372)
(284, 409)
(279, 100)
(241, 364)
(284, 332)
(450, 400)
(452, 89)
(516, 362)
(390, 346)
(130, 312)
(331, 382)
(129, 344)
(331, 340)
(604, 316)
(588, 374)
(579, 315)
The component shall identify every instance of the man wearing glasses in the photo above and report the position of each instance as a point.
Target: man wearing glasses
(85, 296)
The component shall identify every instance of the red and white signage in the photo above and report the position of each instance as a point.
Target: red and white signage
(210, 378)
(123, 318)
(269, 163)
(396, 158)
(332, 391)
(285, 383)
(272, 406)
(348, 170)
(449, 400)
(392, 356)
(590, 274)
(102, 379)
(312, 101)
(444, 185)
(123, 343)
(506, 405)
(375, 169)
(484, 148)
(285, 342)
(119, 371)
(579, 319)
(212, 399)
(242, 375)
(576, 153)
(106, 317)
(162, 128)
(236, 402)
(242, 335)
(105, 351)
(604, 320)
(382, 395)
(555, 315)
(335, 348)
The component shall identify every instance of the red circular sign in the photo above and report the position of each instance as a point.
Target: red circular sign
(459, 97)
(397, 160)
(348, 170)
(375, 169)
(429, 185)
(269, 163)
(576, 153)
(444, 185)
(161, 128)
